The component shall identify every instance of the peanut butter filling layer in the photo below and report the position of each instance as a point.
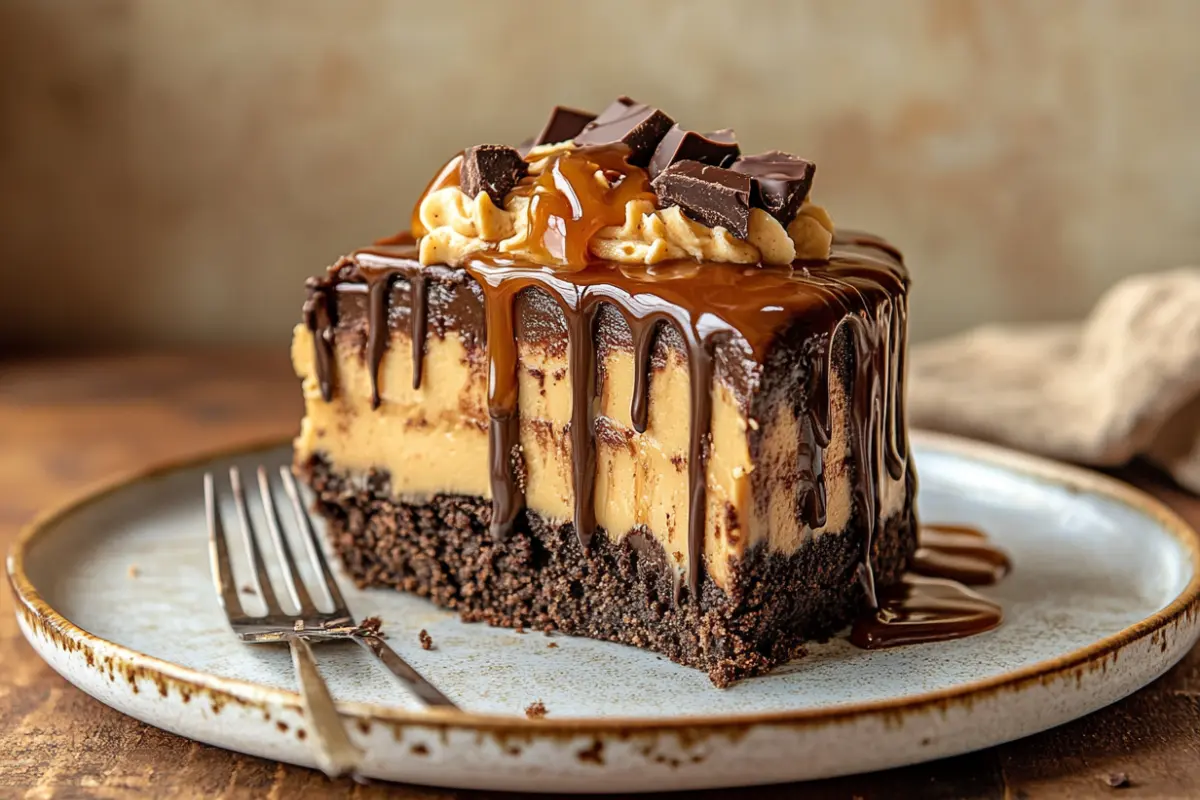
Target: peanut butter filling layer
(434, 439)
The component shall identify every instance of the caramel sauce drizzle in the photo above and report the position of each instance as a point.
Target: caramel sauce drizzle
(579, 192)
(861, 286)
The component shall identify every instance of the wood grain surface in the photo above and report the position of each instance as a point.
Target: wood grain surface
(67, 422)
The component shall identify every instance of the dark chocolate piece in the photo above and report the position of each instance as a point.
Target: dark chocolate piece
(564, 123)
(710, 195)
(781, 182)
(718, 148)
(631, 123)
(491, 168)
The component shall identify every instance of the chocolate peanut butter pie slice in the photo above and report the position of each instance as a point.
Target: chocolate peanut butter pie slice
(622, 382)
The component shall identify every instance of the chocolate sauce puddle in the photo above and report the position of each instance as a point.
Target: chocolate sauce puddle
(920, 610)
(959, 553)
(861, 287)
(931, 603)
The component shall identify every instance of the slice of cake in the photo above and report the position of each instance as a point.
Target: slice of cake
(622, 382)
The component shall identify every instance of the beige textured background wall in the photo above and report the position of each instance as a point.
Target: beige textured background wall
(172, 171)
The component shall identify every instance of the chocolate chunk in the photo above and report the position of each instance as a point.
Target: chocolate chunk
(718, 148)
(710, 195)
(631, 123)
(491, 168)
(564, 123)
(781, 182)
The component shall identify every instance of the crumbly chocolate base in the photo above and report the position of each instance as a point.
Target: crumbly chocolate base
(622, 592)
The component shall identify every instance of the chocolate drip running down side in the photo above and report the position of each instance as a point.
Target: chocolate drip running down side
(643, 340)
(379, 296)
(320, 316)
(710, 306)
(578, 295)
(417, 312)
(377, 329)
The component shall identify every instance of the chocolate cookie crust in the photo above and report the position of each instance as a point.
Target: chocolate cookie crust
(624, 592)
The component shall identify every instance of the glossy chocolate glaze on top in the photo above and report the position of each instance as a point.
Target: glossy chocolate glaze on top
(718, 312)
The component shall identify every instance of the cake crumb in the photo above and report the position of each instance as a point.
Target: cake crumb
(535, 710)
(371, 626)
(426, 639)
(134, 571)
(248, 589)
(552, 644)
(1117, 780)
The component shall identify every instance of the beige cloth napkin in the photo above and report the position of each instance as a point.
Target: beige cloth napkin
(1125, 382)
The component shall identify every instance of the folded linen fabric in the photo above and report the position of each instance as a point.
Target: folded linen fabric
(1124, 382)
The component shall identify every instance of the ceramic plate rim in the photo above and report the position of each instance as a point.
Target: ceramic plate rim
(39, 613)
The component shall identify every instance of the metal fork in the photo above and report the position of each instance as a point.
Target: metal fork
(336, 754)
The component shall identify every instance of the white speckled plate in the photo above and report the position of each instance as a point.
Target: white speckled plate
(114, 592)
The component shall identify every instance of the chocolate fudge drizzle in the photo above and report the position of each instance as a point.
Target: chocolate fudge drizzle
(320, 317)
(377, 329)
(643, 340)
(579, 295)
(860, 287)
(417, 312)
(931, 603)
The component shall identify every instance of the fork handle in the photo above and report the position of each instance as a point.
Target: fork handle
(336, 754)
(412, 680)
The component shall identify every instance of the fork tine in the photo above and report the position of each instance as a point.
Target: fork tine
(314, 547)
(218, 551)
(262, 581)
(291, 575)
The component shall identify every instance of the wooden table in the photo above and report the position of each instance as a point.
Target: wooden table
(65, 422)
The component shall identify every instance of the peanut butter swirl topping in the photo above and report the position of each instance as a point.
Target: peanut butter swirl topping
(564, 203)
